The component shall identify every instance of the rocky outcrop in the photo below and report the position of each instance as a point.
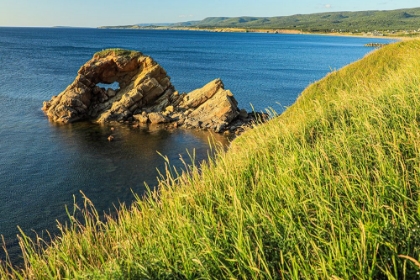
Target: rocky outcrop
(145, 95)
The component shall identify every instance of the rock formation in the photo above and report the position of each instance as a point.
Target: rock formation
(145, 95)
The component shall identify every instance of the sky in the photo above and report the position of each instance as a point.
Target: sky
(94, 13)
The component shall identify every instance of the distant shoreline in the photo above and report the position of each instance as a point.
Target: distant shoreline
(398, 36)
(262, 31)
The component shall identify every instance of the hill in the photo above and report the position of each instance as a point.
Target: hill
(330, 189)
(402, 19)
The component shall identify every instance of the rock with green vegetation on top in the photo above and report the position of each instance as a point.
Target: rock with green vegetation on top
(144, 88)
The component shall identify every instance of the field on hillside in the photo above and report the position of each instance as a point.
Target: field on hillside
(327, 190)
(363, 21)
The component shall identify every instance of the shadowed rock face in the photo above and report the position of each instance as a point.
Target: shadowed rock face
(146, 95)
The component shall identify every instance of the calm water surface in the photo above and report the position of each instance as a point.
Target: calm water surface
(42, 165)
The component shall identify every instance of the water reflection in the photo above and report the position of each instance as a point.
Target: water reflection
(106, 170)
(79, 157)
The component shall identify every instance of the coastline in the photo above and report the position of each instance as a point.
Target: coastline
(399, 37)
(308, 144)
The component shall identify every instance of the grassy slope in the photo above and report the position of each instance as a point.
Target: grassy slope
(349, 21)
(327, 190)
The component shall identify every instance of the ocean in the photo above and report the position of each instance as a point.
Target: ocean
(45, 166)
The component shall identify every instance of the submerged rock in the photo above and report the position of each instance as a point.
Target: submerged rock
(145, 94)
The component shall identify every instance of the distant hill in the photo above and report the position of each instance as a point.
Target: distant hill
(402, 19)
(154, 24)
(187, 23)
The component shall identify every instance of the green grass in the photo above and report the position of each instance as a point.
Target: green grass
(402, 19)
(327, 190)
(117, 52)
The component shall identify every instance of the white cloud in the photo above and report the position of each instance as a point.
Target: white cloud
(328, 6)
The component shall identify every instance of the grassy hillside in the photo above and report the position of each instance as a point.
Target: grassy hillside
(403, 19)
(327, 190)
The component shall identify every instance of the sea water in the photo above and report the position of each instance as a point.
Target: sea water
(44, 166)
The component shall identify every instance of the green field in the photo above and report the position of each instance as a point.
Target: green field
(364, 21)
(327, 190)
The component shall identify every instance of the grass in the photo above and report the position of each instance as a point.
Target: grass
(327, 190)
(117, 52)
(402, 19)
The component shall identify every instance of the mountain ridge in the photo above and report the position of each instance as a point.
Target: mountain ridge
(349, 21)
(359, 21)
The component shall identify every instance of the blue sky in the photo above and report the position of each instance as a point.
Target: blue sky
(93, 13)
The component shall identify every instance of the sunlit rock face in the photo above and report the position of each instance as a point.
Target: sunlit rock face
(144, 95)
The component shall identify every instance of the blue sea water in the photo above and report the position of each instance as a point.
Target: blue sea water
(42, 165)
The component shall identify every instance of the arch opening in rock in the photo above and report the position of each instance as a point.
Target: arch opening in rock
(115, 85)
